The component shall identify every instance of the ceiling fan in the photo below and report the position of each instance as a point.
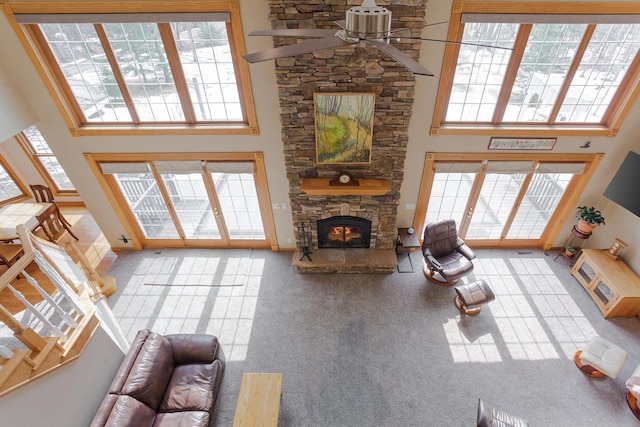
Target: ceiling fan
(368, 23)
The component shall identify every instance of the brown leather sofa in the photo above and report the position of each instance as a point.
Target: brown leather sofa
(170, 380)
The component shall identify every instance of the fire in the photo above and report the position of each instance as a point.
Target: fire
(340, 234)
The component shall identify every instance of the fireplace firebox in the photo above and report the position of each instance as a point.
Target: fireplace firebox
(344, 232)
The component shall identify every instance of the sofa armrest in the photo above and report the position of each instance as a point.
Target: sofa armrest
(194, 348)
(465, 250)
(129, 361)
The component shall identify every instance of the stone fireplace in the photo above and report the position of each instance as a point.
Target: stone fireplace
(359, 68)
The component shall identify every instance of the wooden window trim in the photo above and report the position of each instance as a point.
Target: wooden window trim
(25, 192)
(108, 184)
(563, 211)
(176, 70)
(55, 82)
(33, 156)
(622, 102)
(117, 74)
(512, 71)
(577, 59)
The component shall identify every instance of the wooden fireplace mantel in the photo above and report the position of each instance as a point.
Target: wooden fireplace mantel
(367, 187)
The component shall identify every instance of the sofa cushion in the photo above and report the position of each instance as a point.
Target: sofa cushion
(182, 419)
(193, 348)
(148, 379)
(192, 387)
(129, 412)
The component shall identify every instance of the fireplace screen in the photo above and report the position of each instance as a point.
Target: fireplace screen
(344, 232)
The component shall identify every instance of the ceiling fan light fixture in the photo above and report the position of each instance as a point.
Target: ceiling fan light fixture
(368, 21)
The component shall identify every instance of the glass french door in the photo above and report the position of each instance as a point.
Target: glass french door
(192, 202)
(491, 207)
(499, 202)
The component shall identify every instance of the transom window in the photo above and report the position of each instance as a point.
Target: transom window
(560, 71)
(146, 69)
(45, 161)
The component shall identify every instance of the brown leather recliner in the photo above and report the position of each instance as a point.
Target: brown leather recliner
(170, 380)
(447, 257)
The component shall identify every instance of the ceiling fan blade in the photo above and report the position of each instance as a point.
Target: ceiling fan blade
(296, 49)
(342, 24)
(453, 42)
(408, 62)
(295, 32)
(397, 30)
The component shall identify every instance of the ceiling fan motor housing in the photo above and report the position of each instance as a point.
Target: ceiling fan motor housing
(368, 22)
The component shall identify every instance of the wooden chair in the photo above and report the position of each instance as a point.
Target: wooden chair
(43, 194)
(50, 225)
(9, 253)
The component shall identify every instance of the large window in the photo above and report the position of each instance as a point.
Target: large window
(11, 189)
(560, 72)
(145, 70)
(189, 199)
(503, 199)
(45, 161)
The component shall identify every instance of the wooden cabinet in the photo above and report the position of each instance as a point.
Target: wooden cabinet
(610, 283)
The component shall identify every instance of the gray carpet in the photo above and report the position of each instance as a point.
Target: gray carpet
(386, 350)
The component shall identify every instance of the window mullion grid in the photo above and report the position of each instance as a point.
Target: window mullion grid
(69, 103)
(512, 71)
(111, 58)
(31, 152)
(46, 175)
(450, 62)
(176, 69)
(167, 200)
(577, 59)
(626, 84)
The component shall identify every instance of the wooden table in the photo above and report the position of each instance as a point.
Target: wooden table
(258, 400)
(405, 244)
(19, 213)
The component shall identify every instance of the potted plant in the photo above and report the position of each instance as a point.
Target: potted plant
(570, 251)
(588, 219)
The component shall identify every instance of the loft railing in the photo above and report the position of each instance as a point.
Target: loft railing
(58, 314)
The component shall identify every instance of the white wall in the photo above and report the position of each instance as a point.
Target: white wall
(15, 113)
(68, 396)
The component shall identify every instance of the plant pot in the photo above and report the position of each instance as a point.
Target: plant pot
(569, 253)
(585, 227)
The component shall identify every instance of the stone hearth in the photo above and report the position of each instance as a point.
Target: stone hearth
(360, 68)
(347, 261)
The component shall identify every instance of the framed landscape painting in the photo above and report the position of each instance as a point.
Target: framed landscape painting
(344, 127)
